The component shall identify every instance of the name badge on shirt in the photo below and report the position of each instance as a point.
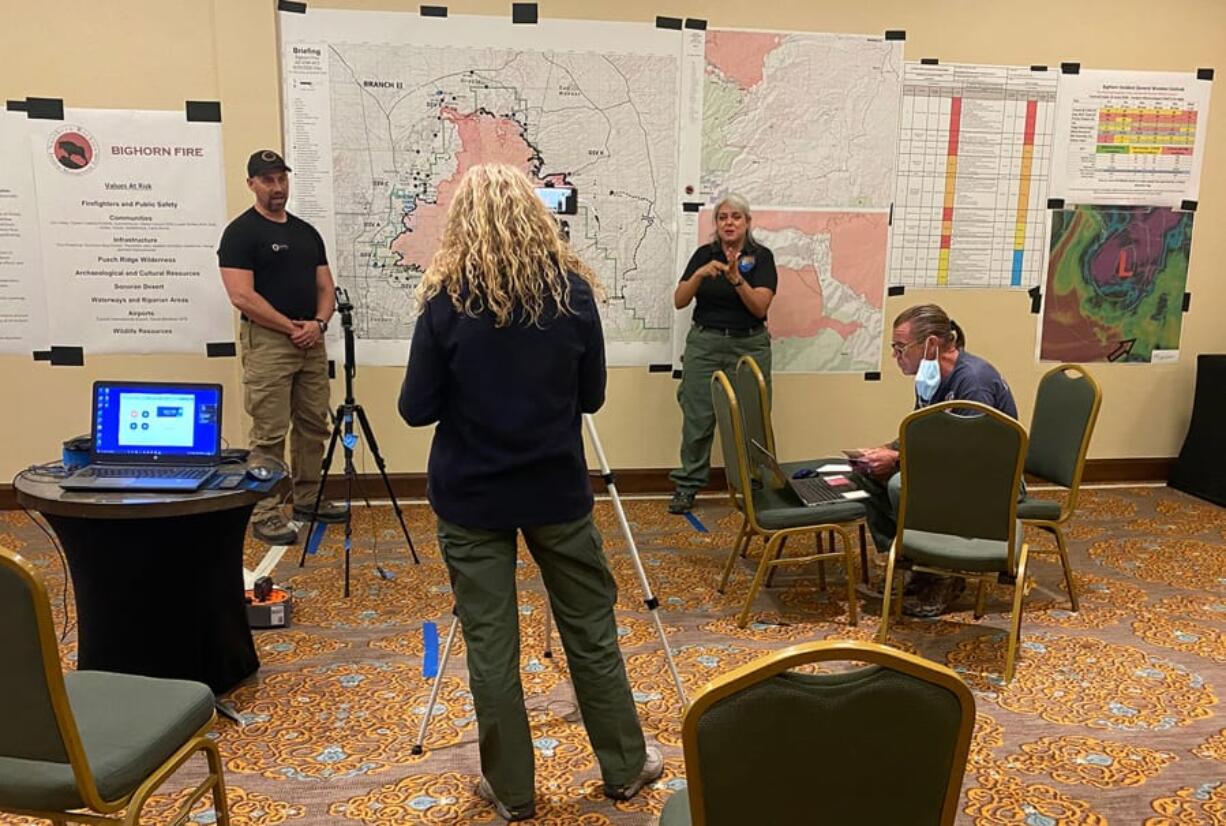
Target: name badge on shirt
(745, 264)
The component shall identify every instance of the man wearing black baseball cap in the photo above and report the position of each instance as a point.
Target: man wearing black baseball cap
(265, 160)
(275, 269)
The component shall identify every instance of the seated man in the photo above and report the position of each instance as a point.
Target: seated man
(929, 345)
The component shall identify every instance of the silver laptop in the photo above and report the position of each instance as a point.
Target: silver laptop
(151, 436)
(813, 490)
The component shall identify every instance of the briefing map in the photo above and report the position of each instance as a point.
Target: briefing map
(406, 113)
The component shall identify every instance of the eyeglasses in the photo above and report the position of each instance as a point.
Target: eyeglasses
(899, 349)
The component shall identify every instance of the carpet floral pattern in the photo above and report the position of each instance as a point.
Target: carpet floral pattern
(1115, 716)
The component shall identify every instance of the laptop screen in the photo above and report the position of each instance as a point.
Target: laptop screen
(152, 423)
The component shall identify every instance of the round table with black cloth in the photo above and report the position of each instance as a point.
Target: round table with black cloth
(157, 579)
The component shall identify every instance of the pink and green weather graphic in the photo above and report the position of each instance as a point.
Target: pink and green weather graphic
(1115, 283)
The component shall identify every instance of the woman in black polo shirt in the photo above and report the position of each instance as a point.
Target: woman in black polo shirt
(734, 279)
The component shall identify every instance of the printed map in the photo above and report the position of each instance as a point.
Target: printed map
(827, 311)
(807, 120)
(407, 119)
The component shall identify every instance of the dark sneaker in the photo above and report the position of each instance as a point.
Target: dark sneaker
(330, 512)
(274, 530)
(508, 813)
(682, 502)
(653, 767)
(933, 598)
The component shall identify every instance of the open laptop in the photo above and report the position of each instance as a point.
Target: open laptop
(812, 491)
(151, 436)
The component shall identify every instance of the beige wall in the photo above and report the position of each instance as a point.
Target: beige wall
(157, 53)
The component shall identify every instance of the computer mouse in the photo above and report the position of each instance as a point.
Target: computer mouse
(259, 473)
(804, 473)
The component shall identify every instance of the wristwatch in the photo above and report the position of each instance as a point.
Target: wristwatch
(323, 325)
(737, 283)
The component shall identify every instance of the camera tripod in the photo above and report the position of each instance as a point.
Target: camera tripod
(342, 430)
(649, 599)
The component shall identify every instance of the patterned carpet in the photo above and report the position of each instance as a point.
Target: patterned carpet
(1113, 716)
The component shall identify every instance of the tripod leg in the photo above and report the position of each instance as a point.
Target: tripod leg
(418, 747)
(348, 516)
(374, 451)
(649, 599)
(323, 480)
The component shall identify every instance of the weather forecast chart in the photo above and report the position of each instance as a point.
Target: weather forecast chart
(974, 154)
(1132, 138)
(384, 112)
(1115, 284)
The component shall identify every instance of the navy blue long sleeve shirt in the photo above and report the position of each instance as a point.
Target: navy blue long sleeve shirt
(508, 449)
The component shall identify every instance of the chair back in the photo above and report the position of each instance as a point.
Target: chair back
(732, 440)
(1065, 411)
(34, 733)
(754, 400)
(43, 729)
(765, 745)
(961, 466)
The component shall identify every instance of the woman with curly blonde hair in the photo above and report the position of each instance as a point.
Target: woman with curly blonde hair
(506, 356)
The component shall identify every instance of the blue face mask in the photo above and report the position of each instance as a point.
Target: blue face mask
(927, 377)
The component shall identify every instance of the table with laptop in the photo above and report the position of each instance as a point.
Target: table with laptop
(153, 530)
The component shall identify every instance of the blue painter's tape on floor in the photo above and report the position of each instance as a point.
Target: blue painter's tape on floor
(317, 537)
(429, 659)
(693, 520)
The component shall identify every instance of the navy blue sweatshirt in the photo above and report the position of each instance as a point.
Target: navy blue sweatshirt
(508, 450)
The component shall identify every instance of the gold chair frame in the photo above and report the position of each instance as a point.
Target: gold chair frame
(786, 659)
(1069, 505)
(750, 363)
(87, 787)
(1016, 556)
(737, 463)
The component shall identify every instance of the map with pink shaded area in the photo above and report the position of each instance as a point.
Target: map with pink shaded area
(826, 314)
(740, 56)
(482, 138)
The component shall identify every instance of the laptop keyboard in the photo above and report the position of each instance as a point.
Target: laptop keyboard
(145, 472)
(816, 489)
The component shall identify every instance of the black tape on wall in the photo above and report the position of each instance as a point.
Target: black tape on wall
(67, 356)
(45, 108)
(524, 13)
(203, 111)
(220, 349)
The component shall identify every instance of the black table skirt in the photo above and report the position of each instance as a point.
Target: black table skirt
(162, 597)
(1201, 467)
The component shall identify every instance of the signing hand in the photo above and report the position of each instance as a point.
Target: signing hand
(306, 334)
(878, 462)
(712, 269)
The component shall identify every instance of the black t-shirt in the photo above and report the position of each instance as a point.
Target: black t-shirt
(283, 258)
(717, 304)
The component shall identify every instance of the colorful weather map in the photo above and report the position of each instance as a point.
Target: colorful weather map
(1115, 284)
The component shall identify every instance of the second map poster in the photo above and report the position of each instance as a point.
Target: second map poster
(805, 126)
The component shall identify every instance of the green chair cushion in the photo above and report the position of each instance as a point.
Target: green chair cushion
(676, 809)
(940, 550)
(129, 726)
(1030, 508)
(780, 508)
